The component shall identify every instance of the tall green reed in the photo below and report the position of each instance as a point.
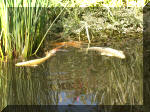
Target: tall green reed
(21, 29)
(4, 39)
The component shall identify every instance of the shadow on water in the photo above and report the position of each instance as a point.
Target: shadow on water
(76, 77)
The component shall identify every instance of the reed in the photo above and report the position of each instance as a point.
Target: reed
(24, 27)
(18, 31)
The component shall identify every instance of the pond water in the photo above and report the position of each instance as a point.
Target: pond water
(76, 77)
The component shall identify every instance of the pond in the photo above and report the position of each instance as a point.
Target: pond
(76, 77)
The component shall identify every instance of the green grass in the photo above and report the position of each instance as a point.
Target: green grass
(23, 32)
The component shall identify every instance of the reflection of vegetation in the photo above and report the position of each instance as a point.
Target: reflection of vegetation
(85, 78)
(4, 76)
(109, 81)
(3, 88)
(21, 89)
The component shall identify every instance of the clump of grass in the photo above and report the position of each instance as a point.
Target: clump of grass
(20, 31)
(23, 29)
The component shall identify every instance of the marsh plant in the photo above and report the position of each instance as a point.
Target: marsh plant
(22, 30)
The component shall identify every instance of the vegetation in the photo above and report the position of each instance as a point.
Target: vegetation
(93, 78)
(24, 25)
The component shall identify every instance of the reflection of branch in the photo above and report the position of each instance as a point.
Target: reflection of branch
(102, 98)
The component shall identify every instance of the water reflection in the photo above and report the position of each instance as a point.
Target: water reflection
(75, 78)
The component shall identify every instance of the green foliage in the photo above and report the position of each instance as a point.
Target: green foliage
(103, 22)
(21, 31)
(24, 28)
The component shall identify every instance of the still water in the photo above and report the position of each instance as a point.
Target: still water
(76, 77)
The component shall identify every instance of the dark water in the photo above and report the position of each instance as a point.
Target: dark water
(76, 77)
